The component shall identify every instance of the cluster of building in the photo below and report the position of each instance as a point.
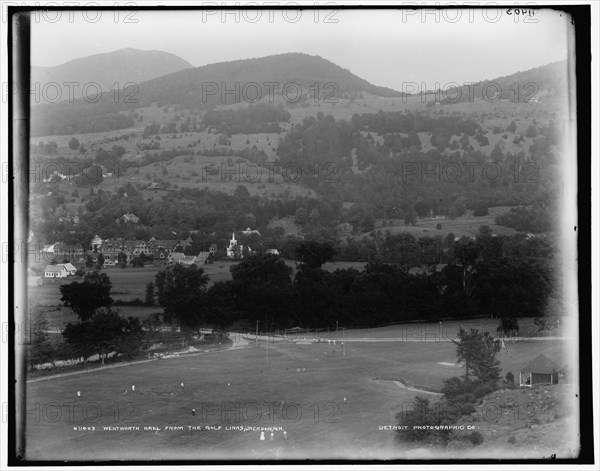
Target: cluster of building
(163, 252)
(159, 252)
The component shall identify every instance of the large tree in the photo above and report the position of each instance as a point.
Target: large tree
(477, 350)
(259, 269)
(87, 297)
(220, 306)
(314, 254)
(180, 293)
(261, 289)
(104, 332)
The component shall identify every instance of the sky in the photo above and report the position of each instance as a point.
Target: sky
(386, 47)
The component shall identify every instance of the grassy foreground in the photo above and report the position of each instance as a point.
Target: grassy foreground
(296, 388)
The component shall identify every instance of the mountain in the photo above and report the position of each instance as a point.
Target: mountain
(550, 80)
(291, 77)
(191, 85)
(120, 67)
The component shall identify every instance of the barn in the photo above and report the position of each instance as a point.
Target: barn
(540, 370)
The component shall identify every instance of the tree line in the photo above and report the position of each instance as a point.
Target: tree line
(482, 281)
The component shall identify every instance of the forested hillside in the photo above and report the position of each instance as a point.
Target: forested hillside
(289, 78)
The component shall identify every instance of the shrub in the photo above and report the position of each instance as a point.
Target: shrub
(132, 302)
(480, 210)
(475, 438)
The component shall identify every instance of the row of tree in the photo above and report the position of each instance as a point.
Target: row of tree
(265, 288)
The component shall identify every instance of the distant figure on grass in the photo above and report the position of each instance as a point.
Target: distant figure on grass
(193, 411)
(284, 435)
(345, 400)
(78, 393)
(182, 384)
(272, 435)
(262, 436)
(133, 387)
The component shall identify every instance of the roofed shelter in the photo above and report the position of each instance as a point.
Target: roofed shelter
(540, 370)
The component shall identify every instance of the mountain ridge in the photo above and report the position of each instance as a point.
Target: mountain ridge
(241, 81)
(298, 68)
(110, 68)
(521, 86)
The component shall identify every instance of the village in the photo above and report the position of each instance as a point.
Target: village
(119, 252)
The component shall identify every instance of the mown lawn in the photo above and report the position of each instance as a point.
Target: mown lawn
(300, 388)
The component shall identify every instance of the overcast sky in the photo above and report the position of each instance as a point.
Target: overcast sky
(385, 47)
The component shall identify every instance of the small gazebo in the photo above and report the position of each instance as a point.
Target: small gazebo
(540, 370)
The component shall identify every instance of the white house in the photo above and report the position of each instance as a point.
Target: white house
(55, 271)
(182, 259)
(128, 218)
(272, 252)
(189, 260)
(249, 231)
(49, 249)
(71, 269)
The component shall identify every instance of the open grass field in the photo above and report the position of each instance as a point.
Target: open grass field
(128, 283)
(466, 225)
(292, 387)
